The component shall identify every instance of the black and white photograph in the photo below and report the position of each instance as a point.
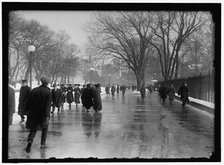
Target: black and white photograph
(111, 82)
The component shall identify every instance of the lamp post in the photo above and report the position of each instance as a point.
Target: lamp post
(91, 76)
(109, 79)
(31, 49)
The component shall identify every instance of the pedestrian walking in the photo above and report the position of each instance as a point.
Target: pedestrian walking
(97, 103)
(123, 89)
(77, 94)
(118, 89)
(56, 98)
(11, 104)
(63, 90)
(107, 90)
(87, 97)
(23, 99)
(163, 92)
(38, 116)
(113, 90)
(70, 97)
(183, 93)
(171, 93)
(142, 91)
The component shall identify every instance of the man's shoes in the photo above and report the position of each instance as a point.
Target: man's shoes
(43, 146)
(28, 147)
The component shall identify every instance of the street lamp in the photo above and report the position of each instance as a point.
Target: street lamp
(31, 49)
(91, 76)
(109, 78)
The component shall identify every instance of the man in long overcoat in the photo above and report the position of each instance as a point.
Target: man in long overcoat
(87, 97)
(183, 92)
(163, 92)
(56, 98)
(38, 115)
(23, 99)
(11, 104)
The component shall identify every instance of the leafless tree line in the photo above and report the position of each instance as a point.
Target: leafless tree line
(173, 37)
(54, 56)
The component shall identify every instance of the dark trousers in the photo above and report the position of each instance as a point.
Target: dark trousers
(32, 134)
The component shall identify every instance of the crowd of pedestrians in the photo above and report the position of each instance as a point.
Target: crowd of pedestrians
(39, 103)
(169, 92)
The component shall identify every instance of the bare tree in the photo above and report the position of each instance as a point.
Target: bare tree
(123, 35)
(170, 30)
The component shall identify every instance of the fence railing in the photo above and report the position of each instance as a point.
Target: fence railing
(200, 87)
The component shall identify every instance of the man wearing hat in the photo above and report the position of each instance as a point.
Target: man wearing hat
(23, 99)
(39, 106)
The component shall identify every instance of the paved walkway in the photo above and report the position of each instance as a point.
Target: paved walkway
(127, 127)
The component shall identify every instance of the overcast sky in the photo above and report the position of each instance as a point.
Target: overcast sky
(70, 21)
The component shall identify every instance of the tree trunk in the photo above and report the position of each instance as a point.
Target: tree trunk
(140, 80)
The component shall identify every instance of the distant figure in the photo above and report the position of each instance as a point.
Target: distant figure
(81, 92)
(118, 89)
(123, 89)
(113, 90)
(70, 97)
(63, 90)
(56, 98)
(77, 95)
(183, 92)
(87, 97)
(171, 93)
(163, 92)
(38, 108)
(150, 88)
(107, 90)
(97, 103)
(142, 91)
(23, 99)
(11, 104)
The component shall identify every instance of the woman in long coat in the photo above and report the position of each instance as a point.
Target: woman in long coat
(77, 95)
(70, 97)
(87, 97)
(171, 93)
(97, 103)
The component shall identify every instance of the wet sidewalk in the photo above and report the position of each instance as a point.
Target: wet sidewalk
(127, 127)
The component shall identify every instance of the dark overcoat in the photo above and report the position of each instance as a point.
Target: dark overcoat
(57, 97)
(11, 104)
(77, 95)
(171, 93)
(183, 92)
(97, 102)
(69, 96)
(87, 97)
(163, 92)
(23, 99)
(39, 106)
(113, 90)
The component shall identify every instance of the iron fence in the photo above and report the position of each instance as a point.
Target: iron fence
(200, 87)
